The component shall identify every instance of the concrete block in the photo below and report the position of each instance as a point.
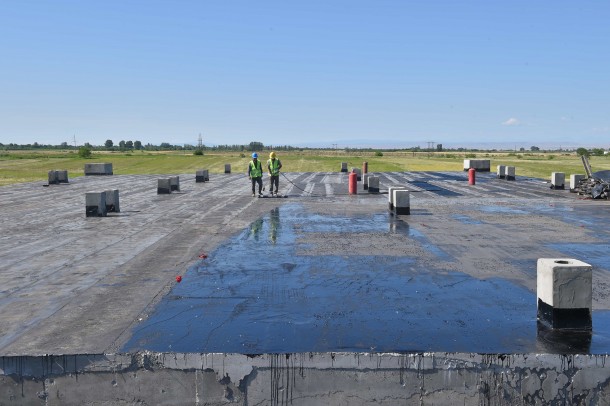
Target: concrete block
(95, 204)
(391, 190)
(163, 186)
(202, 176)
(53, 179)
(98, 169)
(112, 201)
(481, 165)
(62, 176)
(558, 180)
(358, 173)
(227, 168)
(510, 173)
(574, 181)
(501, 171)
(174, 183)
(564, 291)
(365, 181)
(373, 182)
(343, 166)
(402, 201)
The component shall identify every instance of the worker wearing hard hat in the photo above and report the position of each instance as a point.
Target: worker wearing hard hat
(273, 166)
(255, 173)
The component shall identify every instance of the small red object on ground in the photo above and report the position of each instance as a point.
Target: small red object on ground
(178, 278)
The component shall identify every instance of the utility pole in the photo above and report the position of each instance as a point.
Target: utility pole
(430, 147)
(74, 136)
(200, 143)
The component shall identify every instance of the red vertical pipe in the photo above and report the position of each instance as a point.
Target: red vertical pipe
(471, 176)
(365, 167)
(353, 183)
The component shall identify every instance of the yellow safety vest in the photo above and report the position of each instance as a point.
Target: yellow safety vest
(274, 164)
(256, 171)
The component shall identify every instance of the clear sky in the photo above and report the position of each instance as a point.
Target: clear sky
(315, 72)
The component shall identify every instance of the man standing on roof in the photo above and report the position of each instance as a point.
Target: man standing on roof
(273, 166)
(255, 173)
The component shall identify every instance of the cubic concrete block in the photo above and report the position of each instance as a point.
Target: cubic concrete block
(564, 291)
(163, 186)
(365, 181)
(95, 204)
(481, 165)
(202, 176)
(558, 180)
(402, 201)
(62, 176)
(510, 173)
(343, 166)
(391, 190)
(53, 179)
(501, 171)
(227, 168)
(112, 201)
(358, 173)
(98, 169)
(574, 181)
(373, 182)
(174, 183)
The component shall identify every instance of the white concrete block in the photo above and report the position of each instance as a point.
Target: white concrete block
(227, 168)
(501, 171)
(174, 183)
(343, 166)
(163, 186)
(575, 180)
(558, 180)
(373, 182)
(481, 165)
(564, 291)
(510, 173)
(402, 201)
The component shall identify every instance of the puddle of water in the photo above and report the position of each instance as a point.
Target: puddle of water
(255, 295)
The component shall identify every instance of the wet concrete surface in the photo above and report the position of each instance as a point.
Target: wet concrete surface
(318, 271)
(256, 294)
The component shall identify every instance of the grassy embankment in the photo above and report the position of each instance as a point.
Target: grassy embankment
(28, 166)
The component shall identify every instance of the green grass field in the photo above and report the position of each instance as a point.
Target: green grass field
(28, 166)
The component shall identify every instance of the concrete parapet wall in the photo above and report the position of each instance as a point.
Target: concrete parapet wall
(306, 378)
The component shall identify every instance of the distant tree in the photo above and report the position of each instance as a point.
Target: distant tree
(84, 152)
(122, 144)
(582, 151)
(129, 145)
(378, 153)
(597, 151)
(64, 144)
(88, 145)
(522, 149)
(256, 146)
(108, 144)
(534, 148)
(439, 147)
(165, 145)
(198, 151)
(137, 145)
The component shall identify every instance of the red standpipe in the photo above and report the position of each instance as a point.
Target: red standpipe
(353, 183)
(365, 167)
(471, 176)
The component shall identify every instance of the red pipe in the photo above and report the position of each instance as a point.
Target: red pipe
(365, 167)
(353, 183)
(471, 176)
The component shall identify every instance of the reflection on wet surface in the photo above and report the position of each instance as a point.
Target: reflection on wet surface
(255, 295)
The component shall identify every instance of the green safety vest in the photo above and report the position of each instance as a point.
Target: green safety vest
(274, 164)
(256, 171)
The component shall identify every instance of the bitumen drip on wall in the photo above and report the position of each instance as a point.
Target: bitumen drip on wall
(270, 290)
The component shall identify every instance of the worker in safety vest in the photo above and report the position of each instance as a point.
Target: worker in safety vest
(273, 166)
(255, 173)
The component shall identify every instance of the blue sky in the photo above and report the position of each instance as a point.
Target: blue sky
(378, 73)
